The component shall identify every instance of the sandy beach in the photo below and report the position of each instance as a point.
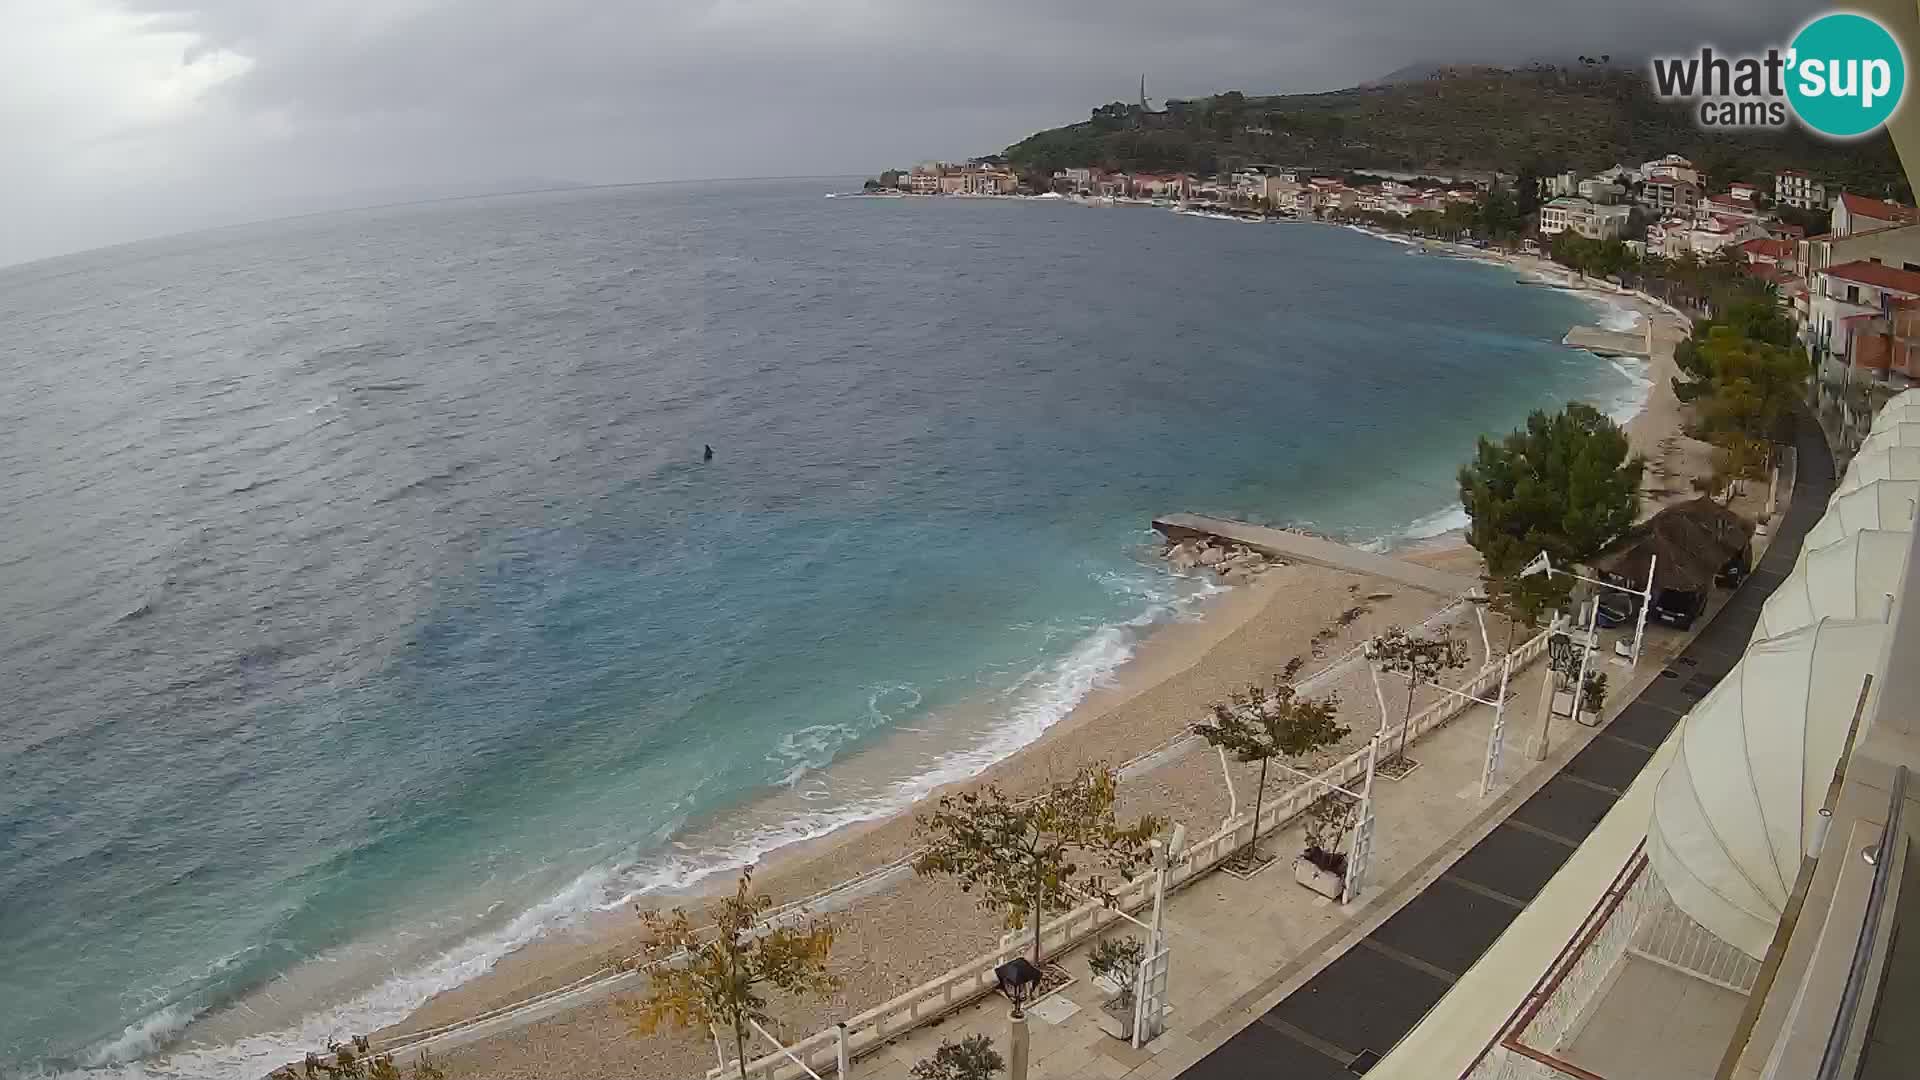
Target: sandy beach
(909, 930)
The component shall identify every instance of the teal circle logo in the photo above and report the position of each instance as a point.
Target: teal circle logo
(1847, 75)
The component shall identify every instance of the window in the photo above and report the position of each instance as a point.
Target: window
(1853, 294)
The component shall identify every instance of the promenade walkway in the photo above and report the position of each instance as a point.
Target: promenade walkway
(1299, 547)
(1352, 1012)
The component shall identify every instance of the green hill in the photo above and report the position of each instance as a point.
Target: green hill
(1546, 119)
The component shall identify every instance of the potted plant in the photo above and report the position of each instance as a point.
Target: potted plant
(1594, 697)
(1116, 962)
(972, 1058)
(1322, 866)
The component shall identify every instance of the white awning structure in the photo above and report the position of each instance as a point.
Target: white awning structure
(1881, 504)
(1891, 434)
(1737, 807)
(1902, 408)
(1854, 578)
(1887, 463)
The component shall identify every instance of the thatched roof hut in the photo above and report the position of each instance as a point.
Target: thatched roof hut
(1694, 541)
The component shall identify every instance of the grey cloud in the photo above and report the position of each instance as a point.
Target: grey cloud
(378, 93)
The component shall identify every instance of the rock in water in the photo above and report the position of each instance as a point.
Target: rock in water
(1211, 556)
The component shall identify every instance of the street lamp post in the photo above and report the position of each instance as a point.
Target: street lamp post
(1019, 980)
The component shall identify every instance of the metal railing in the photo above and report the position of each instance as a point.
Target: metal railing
(1842, 1043)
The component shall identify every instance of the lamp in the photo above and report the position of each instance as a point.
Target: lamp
(1018, 980)
(1539, 564)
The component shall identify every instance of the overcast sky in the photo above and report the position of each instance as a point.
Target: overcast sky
(126, 118)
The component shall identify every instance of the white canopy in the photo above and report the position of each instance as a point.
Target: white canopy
(1881, 504)
(1902, 433)
(1847, 579)
(1886, 463)
(1735, 810)
(1902, 408)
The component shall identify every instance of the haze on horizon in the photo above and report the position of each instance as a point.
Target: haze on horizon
(123, 119)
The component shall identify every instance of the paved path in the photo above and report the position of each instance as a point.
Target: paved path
(1300, 547)
(1353, 1012)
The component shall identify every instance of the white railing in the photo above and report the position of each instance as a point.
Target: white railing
(1669, 937)
(1551, 1014)
(975, 979)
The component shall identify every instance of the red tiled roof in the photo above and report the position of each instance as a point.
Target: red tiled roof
(1873, 273)
(1768, 246)
(1878, 209)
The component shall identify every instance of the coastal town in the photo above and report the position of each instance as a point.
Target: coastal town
(1844, 264)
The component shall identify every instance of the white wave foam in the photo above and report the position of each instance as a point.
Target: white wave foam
(141, 1038)
(1616, 315)
(1439, 523)
(1632, 399)
(1045, 695)
(387, 1003)
(1041, 697)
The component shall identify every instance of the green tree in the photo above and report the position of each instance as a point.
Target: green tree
(700, 978)
(1565, 484)
(1265, 722)
(972, 1058)
(1019, 857)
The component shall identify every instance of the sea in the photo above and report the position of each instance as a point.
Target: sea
(371, 606)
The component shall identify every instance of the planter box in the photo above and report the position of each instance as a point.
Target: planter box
(1117, 1024)
(1325, 882)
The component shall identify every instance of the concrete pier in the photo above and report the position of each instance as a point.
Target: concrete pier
(1299, 547)
(1609, 342)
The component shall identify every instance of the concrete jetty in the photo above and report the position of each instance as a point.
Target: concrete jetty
(1299, 547)
(1611, 342)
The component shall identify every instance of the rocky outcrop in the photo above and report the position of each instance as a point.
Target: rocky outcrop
(1233, 564)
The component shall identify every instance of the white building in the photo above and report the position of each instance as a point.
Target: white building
(1854, 214)
(1583, 216)
(1795, 188)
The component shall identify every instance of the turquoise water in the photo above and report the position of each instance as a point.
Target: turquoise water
(372, 607)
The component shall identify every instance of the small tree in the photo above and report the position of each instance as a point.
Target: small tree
(1018, 858)
(1118, 960)
(1263, 723)
(972, 1058)
(1420, 659)
(702, 979)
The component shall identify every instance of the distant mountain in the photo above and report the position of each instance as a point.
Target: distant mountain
(1450, 119)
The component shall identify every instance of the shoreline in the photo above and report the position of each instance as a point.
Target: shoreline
(1148, 698)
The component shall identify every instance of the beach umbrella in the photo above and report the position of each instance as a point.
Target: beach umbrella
(1902, 434)
(1738, 804)
(1886, 463)
(1882, 504)
(1854, 578)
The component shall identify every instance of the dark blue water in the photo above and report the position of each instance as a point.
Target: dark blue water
(368, 598)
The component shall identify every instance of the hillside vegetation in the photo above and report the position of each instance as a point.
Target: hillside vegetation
(1540, 119)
